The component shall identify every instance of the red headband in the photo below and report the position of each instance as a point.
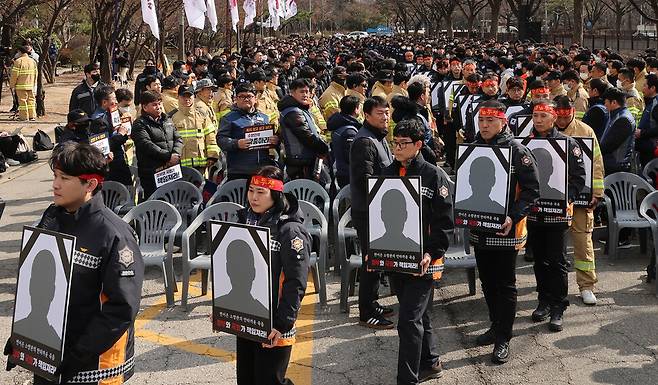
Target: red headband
(544, 108)
(272, 184)
(473, 84)
(87, 177)
(489, 83)
(564, 112)
(540, 91)
(469, 65)
(492, 112)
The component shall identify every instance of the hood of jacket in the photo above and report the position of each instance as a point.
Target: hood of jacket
(289, 101)
(339, 120)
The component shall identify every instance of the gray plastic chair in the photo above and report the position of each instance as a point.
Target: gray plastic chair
(310, 191)
(193, 176)
(116, 197)
(156, 222)
(341, 203)
(234, 191)
(313, 218)
(184, 196)
(192, 259)
(650, 172)
(621, 202)
(347, 233)
(459, 256)
(649, 210)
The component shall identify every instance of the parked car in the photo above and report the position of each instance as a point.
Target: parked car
(357, 34)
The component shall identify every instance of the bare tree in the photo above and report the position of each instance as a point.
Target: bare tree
(619, 8)
(578, 8)
(524, 10)
(495, 6)
(653, 5)
(10, 12)
(594, 9)
(471, 9)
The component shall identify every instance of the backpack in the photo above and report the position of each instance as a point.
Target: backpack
(41, 141)
(23, 152)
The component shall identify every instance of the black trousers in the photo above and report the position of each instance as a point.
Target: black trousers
(368, 281)
(148, 184)
(550, 264)
(497, 270)
(257, 365)
(418, 347)
(299, 172)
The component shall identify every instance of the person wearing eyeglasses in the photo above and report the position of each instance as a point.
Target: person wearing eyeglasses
(243, 162)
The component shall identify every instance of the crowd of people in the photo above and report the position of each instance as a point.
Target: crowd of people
(342, 110)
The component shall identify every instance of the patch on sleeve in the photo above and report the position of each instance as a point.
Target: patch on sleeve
(126, 257)
(576, 151)
(526, 160)
(297, 244)
(443, 191)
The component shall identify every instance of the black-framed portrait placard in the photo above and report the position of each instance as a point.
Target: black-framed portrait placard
(241, 280)
(42, 294)
(552, 166)
(395, 224)
(587, 147)
(521, 125)
(482, 186)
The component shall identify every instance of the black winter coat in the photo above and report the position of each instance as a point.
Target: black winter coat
(155, 142)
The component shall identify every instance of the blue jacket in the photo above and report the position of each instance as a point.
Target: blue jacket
(119, 170)
(343, 130)
(231, 129)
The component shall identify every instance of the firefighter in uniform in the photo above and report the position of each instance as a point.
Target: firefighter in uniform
(106, 284)
(224, 97)
(496, 253)
(330, 99)
(23, 80)
(265, 100)
(576, 92)
(200, 148)
(268, 206)
(548, 231)
(204, 93)
(418, 358)
(582, 223)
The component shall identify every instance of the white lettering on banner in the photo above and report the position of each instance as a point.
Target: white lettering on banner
(168, 175)
(259, 136)
(101, 142)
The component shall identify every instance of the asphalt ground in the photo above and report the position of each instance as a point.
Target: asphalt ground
(615, 342)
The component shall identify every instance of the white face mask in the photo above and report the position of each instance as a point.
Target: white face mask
(607, 72)
(567, 87)
(619, 83)
(584, 75)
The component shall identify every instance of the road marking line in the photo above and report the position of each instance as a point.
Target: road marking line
(299, 370)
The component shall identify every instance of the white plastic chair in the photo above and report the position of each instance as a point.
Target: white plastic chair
(192, 259)
(621, 201)
(650, 172)
(350, 264)
(234, 191)
(193, 176)
(156, 222)
(116, 197)
(314, 219)
(309, 191)
(184, 196)
(459, 256)
(339, 206)
(649, 210)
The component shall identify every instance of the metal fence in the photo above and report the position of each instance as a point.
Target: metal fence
(626, 41)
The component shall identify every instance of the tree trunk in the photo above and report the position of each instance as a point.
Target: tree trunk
(578, 7)
(470, 23)
(449, 25)
(495, 15)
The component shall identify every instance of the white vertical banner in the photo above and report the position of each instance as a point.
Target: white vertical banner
(291, 9)
(249, 7)
(212, 14)
(149, 17)
(273, 9)
(195, 11)
(235, 16)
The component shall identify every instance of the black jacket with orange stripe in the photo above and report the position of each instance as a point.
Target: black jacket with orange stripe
(106, 287)
(290, 245)
(524, 191)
